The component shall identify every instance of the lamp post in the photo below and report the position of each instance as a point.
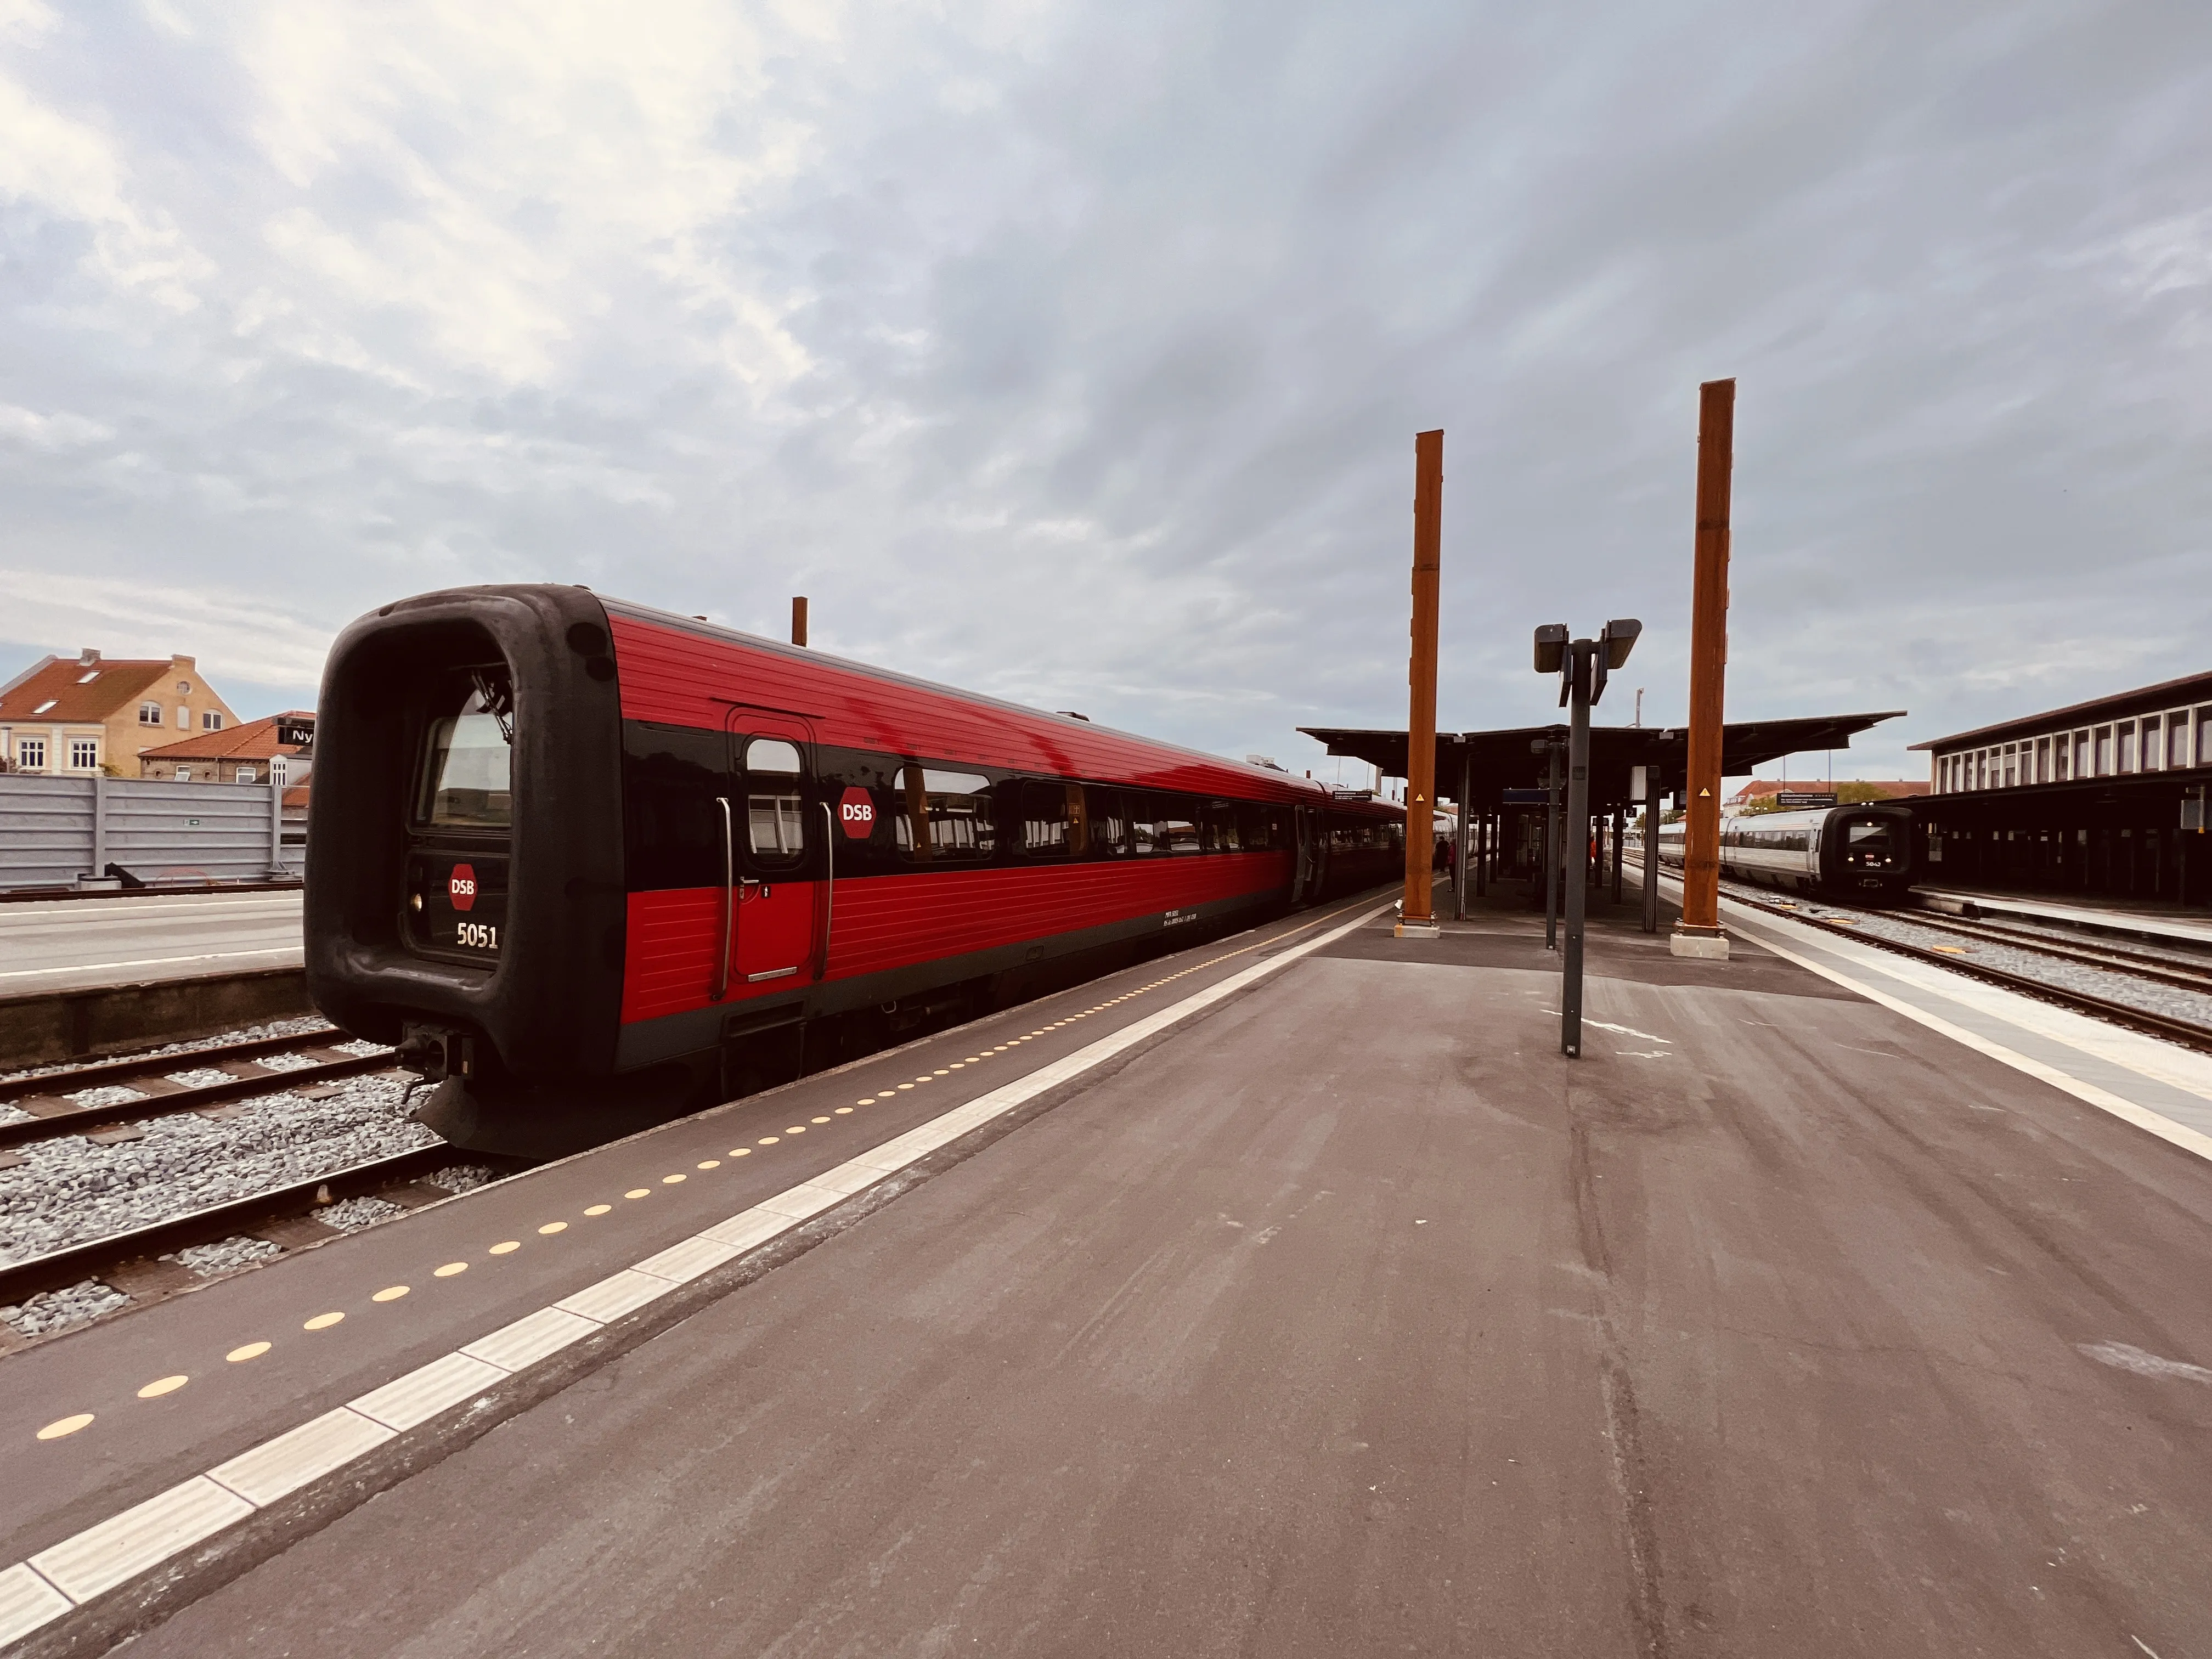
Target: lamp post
(1581, 666)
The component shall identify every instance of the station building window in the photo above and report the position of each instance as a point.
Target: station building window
(2127, 745)
(2204, 736)
(84, 753)
(2042, 761)
(2060, 750)
(2104, 743)
(2154, 744)
(2011, 766)
(2177, 739)
(2082, 754)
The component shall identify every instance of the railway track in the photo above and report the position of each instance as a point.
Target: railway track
(2164, 970)
(2173, 1029)
(53, 1115)
(132, 1262)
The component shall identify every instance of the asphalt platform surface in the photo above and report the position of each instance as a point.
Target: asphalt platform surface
(1346, 1317)
(68, 944)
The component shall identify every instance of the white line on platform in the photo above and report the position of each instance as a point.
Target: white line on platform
(291, 951)
(142, 1537)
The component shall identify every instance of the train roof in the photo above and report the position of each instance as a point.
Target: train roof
(667, 663)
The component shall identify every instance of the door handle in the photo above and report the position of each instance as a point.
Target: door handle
(725, 935)
(829, 885)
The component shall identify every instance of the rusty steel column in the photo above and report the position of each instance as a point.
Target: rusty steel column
(1415, 919)
(798, 620)
(1698, 932)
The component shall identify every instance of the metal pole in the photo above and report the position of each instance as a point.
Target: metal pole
(1552, 848)
(798, 619)
(1462, 833)
(99, 825)
(1619, 848)
(1570, 983)
(1416, 915)
(1698, 932)
(1483, 841)
(1650, 849)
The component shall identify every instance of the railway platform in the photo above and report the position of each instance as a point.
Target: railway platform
(1290, 1295)
(2169, 925)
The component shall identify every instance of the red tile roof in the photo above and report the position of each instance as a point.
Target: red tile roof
(253, 740)
(113, 685)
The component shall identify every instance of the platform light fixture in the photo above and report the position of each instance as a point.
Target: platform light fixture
(1581, 666)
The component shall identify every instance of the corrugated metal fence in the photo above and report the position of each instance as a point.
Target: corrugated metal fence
(53, 830)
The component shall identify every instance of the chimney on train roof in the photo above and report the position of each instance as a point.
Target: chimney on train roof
(798, 619)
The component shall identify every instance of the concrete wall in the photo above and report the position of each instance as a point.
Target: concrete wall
(53, 830)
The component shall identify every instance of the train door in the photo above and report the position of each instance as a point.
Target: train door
(779, 925)
(1303, 870)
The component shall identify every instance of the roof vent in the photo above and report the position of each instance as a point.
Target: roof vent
(1267, 760)
(1072, 715)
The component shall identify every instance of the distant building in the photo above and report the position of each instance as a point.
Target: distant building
(2106, 798)
(1753, 795)
(2167, 728)
(253, 753)
(77, 717)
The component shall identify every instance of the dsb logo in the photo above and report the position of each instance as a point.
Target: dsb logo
(462, 886)
(856, 811)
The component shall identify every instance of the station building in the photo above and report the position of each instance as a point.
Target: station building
(2105, 797)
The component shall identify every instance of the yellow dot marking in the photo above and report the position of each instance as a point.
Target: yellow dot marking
(389, 1293)
(251, 1351)
(322, 1321)
(769, 1141)
(972, 1060)
(710, 1163)
(552, 1227)
(818, 1120)
(870, 1101)
(747, 1151)
(639, 1192)
(61, 1426)
(843, 1111)
(795, 1129)
(599, 1209)
(957, 1064)
(906, 1086)
(947, 1072)
(508, 1247)
(670, 1180)
(450, 1269)
(161, 1385)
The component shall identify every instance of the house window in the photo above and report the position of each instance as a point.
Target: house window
(245, 775)
(211, 720)
(84, 753)
(277, 771)
(183, 775)
(150, 713)
(31, 753)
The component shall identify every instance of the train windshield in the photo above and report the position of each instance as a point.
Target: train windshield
(1872, 844)
(466, 774)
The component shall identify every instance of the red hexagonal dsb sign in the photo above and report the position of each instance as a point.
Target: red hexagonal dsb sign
(856, 811)
(461, 886)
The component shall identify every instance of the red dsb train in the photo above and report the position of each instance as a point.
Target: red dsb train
(589, 864)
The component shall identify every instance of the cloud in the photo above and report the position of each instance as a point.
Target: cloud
(1075, 352)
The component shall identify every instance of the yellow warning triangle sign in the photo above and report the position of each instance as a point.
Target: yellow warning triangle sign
(1704, 794)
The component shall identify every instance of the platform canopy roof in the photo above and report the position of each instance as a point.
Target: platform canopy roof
(1496, 761)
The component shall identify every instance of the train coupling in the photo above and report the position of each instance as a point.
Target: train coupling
(434, 1053)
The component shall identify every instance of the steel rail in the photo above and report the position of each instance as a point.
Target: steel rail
(98, 1073)
(76, 1262)
(78, 1119)
(2166, 970)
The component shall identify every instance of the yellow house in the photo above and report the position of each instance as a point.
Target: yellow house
(75, 717)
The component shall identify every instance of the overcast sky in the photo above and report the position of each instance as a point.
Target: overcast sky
(1075, 352)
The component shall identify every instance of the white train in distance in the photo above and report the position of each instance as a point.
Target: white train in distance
(1862, 853)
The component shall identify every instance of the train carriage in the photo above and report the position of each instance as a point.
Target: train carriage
(1850, 853)
(589, 864)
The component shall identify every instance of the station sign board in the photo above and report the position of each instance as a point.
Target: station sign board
(1785, 800)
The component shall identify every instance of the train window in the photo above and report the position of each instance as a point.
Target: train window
(1873, 845)
(1108, 810)
(466, 777)
(947, 817)
(1263, 829)
(775, 815)
(1055, 820)
(1217, 828)
(1167, 824)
